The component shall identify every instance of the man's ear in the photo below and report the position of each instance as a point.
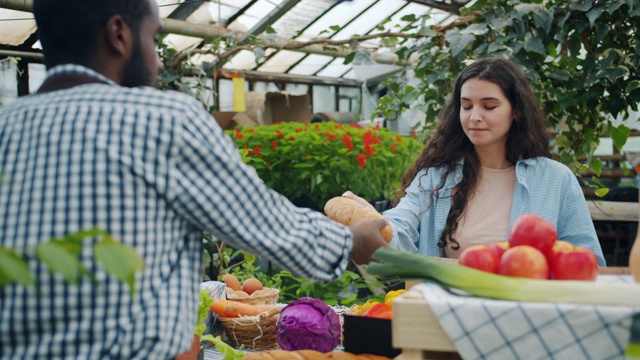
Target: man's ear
(118, 36)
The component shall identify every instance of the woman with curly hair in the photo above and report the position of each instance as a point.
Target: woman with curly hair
(487, 164)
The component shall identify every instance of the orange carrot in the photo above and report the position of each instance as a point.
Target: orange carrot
(228, 308)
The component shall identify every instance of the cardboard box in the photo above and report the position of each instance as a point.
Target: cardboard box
(229, 119)
(266, 108)
(364, 335)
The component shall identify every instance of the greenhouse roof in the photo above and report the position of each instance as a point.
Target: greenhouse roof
(188, 22)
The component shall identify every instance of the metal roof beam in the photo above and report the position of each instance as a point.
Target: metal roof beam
(290, 78)
(184, 10)
(181, 27)
(271, 18)
(452, 6)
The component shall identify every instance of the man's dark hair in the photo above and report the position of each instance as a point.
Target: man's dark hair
(69, 29)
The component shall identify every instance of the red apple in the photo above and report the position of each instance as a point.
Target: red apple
(524, 261)
(480, 257)
(499, 247)
(533, 230)
(559, 245)
(577, 263)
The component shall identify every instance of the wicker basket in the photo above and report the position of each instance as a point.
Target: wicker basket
(266, 296)
(253, 332)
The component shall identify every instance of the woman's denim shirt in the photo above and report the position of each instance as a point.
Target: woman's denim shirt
(544, 187)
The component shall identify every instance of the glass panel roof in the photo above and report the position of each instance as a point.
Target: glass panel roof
(303, 20)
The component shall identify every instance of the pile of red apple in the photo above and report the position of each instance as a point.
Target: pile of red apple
(533, 251)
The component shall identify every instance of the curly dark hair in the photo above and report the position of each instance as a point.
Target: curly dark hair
(449, 144)
(68, 29)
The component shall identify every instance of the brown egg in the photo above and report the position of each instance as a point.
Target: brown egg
(250, 285)
(241, 294)
(231, 281)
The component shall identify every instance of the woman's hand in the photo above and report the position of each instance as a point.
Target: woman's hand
(357, 198)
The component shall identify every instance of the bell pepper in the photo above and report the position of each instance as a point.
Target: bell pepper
(379, 311)
(366, 306)
(388, 299)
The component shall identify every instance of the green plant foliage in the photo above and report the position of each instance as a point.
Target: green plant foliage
(311, 163)
(581, 57)
(343, 291)
(61, 255)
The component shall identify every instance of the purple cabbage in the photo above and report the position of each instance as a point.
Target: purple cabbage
(308, 324)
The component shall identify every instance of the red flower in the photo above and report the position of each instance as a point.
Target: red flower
(268, 163)
(257, 150)
(377, 127)
(279, 134)
(377, 140)
(413, 133)
(366, 138)
(299, 130)
(274, 144)
(368, 149)
(307, 155)
(398, 138)
(332, 136)
(393, 147)
(355, 126)
(251, 130)
(362, 161)
(317, 127)
(346, 139)
(292, 138)
(239, 135)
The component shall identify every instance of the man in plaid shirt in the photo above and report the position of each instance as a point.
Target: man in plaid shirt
(97, 147)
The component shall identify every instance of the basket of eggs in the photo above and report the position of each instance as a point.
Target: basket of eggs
(249, 315)
(250, 291)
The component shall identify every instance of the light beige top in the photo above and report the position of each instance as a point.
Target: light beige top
(486, 218)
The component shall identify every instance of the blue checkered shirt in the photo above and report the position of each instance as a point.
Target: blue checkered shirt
(154, 170)
(544, 187)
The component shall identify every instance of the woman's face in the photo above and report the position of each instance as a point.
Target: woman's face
(485, 113)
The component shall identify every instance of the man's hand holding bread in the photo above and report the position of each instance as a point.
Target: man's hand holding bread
(370, 229)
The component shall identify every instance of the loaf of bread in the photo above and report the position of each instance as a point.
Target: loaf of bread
(348, 212)
(310, 355)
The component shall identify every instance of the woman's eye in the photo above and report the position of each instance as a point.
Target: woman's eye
(466, 107)
(490, 107)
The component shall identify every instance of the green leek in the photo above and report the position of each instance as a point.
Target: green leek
(479, 283)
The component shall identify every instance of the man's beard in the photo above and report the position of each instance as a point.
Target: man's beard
(136, 71)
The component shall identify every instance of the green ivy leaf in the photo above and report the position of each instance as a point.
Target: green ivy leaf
(584, 5)
(270, 30)
(335, 27)
(349, 58)
(594, 14)
(596, 166)
(60, 260)
(601, 192)
(409, 18)
(457, 41)
(14, 269)
(535, 45)
(119, 260)
(633, 85)
(475, 29)
(619, 135)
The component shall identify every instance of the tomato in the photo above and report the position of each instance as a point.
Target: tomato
(379, 311)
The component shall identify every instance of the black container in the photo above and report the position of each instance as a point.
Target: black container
(364, 335)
